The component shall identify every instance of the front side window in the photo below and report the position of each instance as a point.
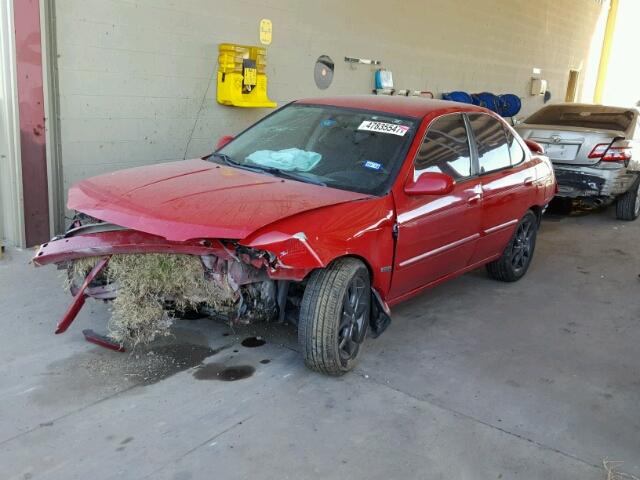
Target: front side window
(491, 142)
(445, 148)
(342, 148)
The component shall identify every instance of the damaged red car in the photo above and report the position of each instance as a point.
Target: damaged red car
(325, 213)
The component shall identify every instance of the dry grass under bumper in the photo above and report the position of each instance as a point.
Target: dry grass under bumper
(147, 283)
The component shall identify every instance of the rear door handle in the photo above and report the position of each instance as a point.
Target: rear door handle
(528, 181)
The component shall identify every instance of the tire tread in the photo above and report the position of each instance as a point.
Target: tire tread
(626, 203)
(318, 310)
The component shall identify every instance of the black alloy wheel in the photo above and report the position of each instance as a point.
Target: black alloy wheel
(523, 244)
(355, 318)
(517, 256)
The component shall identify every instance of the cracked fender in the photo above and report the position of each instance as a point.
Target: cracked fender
(313, 239)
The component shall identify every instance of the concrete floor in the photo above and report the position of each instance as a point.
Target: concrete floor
(473, 380)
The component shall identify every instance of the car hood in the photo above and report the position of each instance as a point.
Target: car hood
(198, 199)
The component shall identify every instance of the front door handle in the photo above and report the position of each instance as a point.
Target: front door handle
(475, 199)
(528, 181)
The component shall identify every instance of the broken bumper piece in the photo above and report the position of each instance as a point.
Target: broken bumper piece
(102, 341)
(122, 241)
(80, 297)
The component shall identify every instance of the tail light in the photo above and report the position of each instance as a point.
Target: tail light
(608, 153)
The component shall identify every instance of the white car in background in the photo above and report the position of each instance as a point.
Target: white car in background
(595, 151)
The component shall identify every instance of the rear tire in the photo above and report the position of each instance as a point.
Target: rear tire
(334, 316)
(516, 258)
(628, 204)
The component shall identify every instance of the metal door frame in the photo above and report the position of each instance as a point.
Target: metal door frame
(11, 199)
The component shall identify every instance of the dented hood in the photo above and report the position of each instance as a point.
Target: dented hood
(198, 199)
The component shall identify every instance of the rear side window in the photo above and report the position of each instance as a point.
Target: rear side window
(491, 141)
(516, 151)
(445, 148)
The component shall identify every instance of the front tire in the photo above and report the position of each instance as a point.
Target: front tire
(516, 258)
(334, 316)
(628, 204)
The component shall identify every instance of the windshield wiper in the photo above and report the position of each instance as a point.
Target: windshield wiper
(287, 174)
(226, 159)
(233, 163)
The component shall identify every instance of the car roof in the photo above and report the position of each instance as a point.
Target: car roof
(416, 107)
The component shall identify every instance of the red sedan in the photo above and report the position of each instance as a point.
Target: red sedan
(328, 211)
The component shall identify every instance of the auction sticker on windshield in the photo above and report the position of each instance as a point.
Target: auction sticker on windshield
(383, 127)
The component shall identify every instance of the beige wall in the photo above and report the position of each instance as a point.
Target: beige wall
(136, 76)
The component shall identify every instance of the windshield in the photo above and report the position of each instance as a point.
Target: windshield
(584, 116)
(347, 149)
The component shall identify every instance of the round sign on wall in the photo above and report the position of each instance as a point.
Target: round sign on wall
(323, 72)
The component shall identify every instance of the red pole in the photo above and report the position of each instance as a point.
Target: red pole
(32, 122)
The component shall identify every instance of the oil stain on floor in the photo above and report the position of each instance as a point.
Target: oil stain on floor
(253, 342)
(171, 359)
(219, 371)
(101, 372)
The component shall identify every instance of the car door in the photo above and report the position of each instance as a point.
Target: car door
(436, 234)
(506, 179)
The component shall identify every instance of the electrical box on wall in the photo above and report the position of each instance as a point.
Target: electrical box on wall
(538, 86)
(242, 81)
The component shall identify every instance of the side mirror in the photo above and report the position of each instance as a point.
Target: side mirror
(430, 183)
(223, 141)
(535, 147)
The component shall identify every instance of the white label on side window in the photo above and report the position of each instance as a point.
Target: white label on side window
(382, 127)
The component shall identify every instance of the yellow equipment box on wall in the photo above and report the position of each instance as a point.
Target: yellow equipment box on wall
(242, 81)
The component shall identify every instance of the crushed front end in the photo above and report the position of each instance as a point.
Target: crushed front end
(152, 280)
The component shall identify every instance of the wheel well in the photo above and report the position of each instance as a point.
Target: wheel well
(537, 210)
(362, 259)
(300, 286)
(358, 257)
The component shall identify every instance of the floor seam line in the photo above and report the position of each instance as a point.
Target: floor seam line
(432, 402)
(191, 450)
(68, 414)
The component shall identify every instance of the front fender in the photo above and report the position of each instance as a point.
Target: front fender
(311, 240)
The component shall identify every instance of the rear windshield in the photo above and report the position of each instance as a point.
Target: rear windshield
(584, 116)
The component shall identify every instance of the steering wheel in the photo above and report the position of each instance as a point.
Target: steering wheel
(350, 174)
(370, 178)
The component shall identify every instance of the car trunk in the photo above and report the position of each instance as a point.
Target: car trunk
(569, 145)
(570, 132)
